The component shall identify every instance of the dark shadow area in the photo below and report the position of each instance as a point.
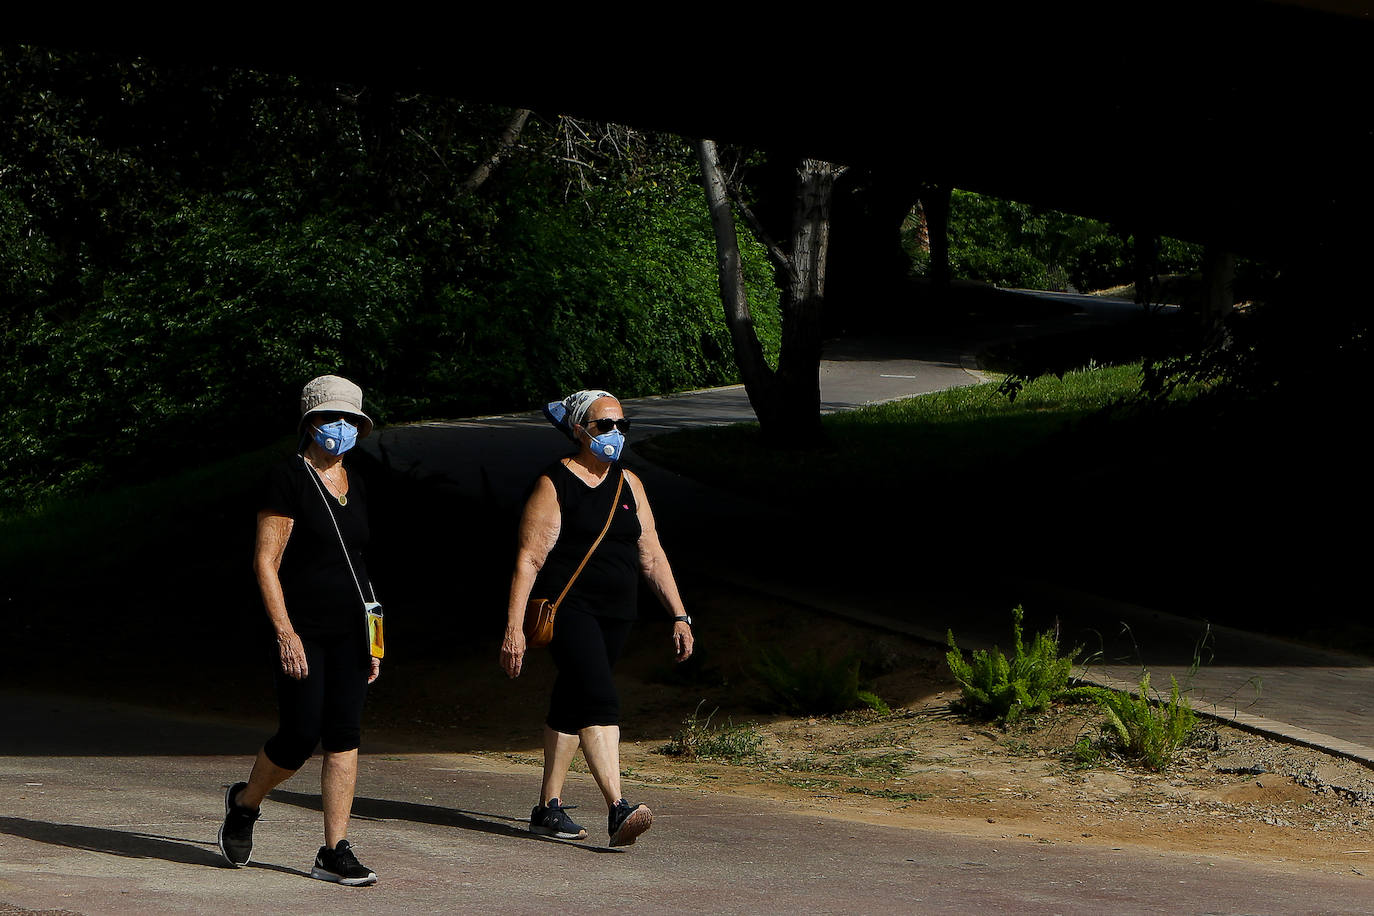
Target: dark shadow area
(479, 821)
(131, 845)
(46, 725)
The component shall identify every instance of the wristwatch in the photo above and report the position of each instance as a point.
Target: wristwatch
(686, 618)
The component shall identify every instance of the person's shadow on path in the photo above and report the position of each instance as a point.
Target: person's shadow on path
(382, 809)
(129, 844)
(183, 851)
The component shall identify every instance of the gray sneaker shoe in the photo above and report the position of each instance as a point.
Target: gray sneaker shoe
(552, 820)
(236, 833)
(627, 821)
(341, 866)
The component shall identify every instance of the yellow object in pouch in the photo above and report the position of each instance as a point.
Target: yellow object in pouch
(377, 644)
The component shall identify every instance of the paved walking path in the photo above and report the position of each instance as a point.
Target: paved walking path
(111, 809)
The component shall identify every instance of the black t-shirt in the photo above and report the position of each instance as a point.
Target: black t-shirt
(321, 597)
(609, 584)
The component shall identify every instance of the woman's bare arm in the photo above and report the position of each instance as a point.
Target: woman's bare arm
(539, 527)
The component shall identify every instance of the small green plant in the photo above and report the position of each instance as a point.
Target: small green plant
(1001, 689)
(892, 794)
(1085, 752)
(874, 702)
(698, 739)
(813, 683)
(1145, 730)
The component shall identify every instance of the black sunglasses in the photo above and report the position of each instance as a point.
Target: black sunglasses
(606, 424)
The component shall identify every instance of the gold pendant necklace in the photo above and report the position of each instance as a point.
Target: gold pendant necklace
(342, 498)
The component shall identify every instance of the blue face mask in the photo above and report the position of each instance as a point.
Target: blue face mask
(608, 446)
(337, 437)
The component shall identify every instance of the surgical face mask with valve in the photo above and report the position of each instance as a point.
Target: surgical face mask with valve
(335, 438)
(608, 446)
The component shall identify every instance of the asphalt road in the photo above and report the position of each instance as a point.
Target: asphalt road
(133, 831)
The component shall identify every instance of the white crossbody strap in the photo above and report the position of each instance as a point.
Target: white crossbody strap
(314, 475)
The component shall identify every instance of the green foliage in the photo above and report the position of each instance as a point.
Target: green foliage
(1014, 244)
(179, 240)
(813, 683)
(698, 739)
(963, 434)
(1001, 689)
(889, 794)
(1146, 730)
(1085, 752)
(874, 702)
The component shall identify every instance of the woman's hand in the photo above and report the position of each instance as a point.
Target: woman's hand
(292, 656)
(513, 651)
(682, 639)
(376, 670)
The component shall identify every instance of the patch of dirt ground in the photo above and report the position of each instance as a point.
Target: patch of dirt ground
(1229, 794)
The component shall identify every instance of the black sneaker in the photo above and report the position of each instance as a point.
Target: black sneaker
(552, 820)
(627, 821)
(341, 866)
(236, 833)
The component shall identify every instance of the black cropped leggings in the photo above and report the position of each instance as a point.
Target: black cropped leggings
(326, 708)
(585, 648)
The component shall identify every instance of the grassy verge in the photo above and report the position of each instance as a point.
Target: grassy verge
(1200, 506)
(963, 432)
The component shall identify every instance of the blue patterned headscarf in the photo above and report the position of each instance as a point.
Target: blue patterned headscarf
(572, 410)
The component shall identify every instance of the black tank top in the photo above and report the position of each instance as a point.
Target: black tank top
(609, 584)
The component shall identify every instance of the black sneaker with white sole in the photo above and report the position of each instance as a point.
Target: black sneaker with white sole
(627, 821)
(552, 820)
(341, 866)
(236, 833)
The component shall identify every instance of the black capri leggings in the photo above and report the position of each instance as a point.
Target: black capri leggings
(584, 648)
(326, 708)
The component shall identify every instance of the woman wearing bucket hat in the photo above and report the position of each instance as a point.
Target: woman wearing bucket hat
(586, 513)
(312, 530)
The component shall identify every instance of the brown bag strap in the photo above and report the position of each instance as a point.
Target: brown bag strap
(595, 544)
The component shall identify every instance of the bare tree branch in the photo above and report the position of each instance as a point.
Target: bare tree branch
(776, 251)
(429, 146)
(504, 144)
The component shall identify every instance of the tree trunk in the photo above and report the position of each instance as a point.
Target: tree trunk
(935, 201)
(1143, 267)
(868, 285)
(753, 368)
(787, 402)
(802, 300)
(1219, 274)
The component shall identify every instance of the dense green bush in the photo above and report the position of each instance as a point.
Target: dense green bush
(1144, 729)
(1012, 244)
(181, 247)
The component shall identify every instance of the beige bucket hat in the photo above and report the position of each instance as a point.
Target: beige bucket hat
(334, 394)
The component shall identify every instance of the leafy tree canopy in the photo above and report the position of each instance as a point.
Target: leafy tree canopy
(181, 247)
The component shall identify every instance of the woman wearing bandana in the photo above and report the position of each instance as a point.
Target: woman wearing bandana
(311, 510)
(567, 509)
